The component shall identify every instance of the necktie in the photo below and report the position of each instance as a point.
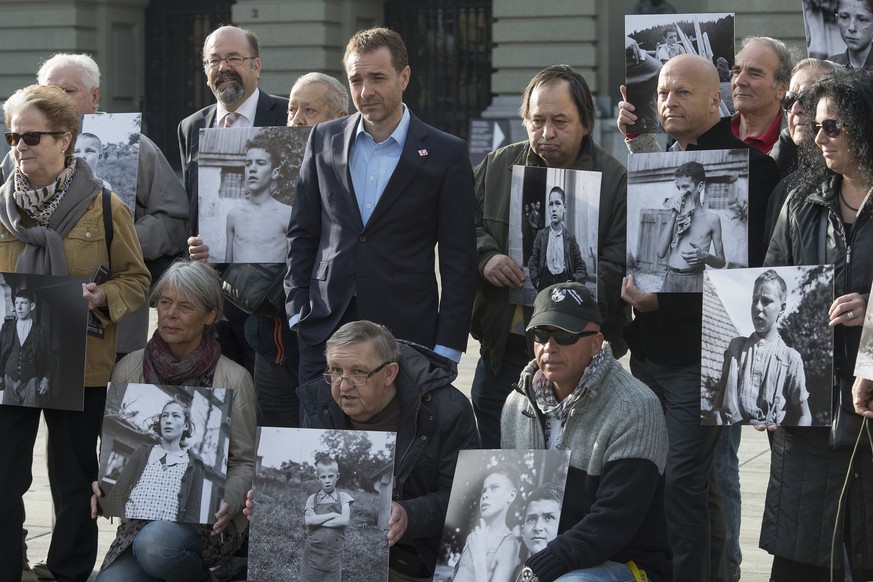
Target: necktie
(231, 118)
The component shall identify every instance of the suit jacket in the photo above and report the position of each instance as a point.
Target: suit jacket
(573, 262)
(42, 353)
(389, 263)
(271, 111)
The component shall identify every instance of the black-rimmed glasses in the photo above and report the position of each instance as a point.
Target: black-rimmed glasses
(334, 377)
(831, 127)
(791, 98)
(31, 138)
(564, 338)
(235, 61)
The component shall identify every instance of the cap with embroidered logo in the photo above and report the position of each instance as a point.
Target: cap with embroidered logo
(567, 306)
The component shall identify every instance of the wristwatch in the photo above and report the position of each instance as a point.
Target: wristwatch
(527, 575)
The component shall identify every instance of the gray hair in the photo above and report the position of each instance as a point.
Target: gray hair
(824, 67)
(88, 67)
(197, 282)
(357, 332)
(337, 95)
(783, 52)
(254, 45)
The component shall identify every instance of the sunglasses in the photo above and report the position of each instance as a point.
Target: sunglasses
(31, 138)
(791, 98)
(831, 127)
(563, 338)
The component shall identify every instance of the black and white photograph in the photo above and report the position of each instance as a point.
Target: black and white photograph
(553, 223)
(840, 31)
(653, 39)
(109, 142)
(322, 499)
(246, 188)
(164, 452)
(767, 349)
(864, 361)
(505, 506)
(42, 341)
(687, 213)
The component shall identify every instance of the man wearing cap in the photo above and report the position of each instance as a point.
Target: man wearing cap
(574, 395)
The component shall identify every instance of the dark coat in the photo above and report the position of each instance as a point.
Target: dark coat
(42, 354)
(573, 263)
(271, 110)
(387, 264)
(436, 423)
(806, 477)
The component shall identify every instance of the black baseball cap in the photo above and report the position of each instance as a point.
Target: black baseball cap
(567, 306)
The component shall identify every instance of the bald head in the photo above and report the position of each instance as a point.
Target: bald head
(689, 96)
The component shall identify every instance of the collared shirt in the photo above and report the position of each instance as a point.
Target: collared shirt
(555, 251)
(247, 110)
(371, 164)
(23, 327)
(766, 140)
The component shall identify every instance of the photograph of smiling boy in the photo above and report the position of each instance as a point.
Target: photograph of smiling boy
(756, 368)
(164, 452)
(564, 205)
(484, 534)
(109, 143)
(246, 188)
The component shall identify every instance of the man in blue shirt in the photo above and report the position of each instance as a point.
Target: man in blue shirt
(378, 191)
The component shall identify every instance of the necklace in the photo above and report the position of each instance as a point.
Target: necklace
(843, 200)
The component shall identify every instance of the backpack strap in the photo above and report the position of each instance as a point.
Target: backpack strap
(108, 229)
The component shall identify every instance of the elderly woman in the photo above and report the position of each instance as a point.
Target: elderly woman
(184, 351)
(53, 218)
(826, 218)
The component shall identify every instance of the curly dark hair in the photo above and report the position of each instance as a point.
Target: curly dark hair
(851, 95)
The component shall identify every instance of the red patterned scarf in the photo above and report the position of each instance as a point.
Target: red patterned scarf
(159, 366)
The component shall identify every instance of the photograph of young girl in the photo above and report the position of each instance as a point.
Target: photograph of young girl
(164, 452)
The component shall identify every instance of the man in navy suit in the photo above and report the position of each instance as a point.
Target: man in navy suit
(377, 192)
(233, 68)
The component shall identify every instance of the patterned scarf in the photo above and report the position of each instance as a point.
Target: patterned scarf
(40, 204)
(545, 393)
(159, 366)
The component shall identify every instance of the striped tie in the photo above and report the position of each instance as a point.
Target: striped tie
(231, 118)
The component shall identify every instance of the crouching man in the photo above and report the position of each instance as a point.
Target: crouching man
(574, 395)
(375, 382)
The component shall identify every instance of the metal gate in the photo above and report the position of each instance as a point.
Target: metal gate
(449, 44)
(175, 84)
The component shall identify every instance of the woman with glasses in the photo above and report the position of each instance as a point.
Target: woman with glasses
(827, 219)
(803, 76)
(183, 351)
(855, 19)
(55, 219)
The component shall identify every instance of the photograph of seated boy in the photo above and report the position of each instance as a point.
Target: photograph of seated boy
(763, 381)
(326, 515)
(491, 550)
(691, 238)
(256, 229)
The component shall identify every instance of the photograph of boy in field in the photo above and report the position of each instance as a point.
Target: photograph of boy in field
(322, 499)
(326, 515)
(256, 229)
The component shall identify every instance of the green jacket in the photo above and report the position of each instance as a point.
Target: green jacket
(492, 312)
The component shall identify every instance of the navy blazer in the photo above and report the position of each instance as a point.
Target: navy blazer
(389, 263)
(271, 110)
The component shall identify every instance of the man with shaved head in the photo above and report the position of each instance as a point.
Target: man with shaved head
(665, 335)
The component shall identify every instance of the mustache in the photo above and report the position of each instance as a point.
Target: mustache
(228, 76)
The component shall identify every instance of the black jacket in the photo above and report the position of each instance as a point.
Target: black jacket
(436, 423)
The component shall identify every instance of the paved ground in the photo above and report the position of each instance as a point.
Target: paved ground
(754, 470)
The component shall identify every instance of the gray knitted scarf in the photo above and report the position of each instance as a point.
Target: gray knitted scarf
(44, 247)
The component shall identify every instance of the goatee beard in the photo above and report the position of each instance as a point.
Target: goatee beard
(229, 93)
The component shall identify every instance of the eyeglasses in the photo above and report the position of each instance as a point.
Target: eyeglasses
(215, 62)
(357, 380)
(831, 127)
(563, 338)
(31, 138)
(791, 98)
